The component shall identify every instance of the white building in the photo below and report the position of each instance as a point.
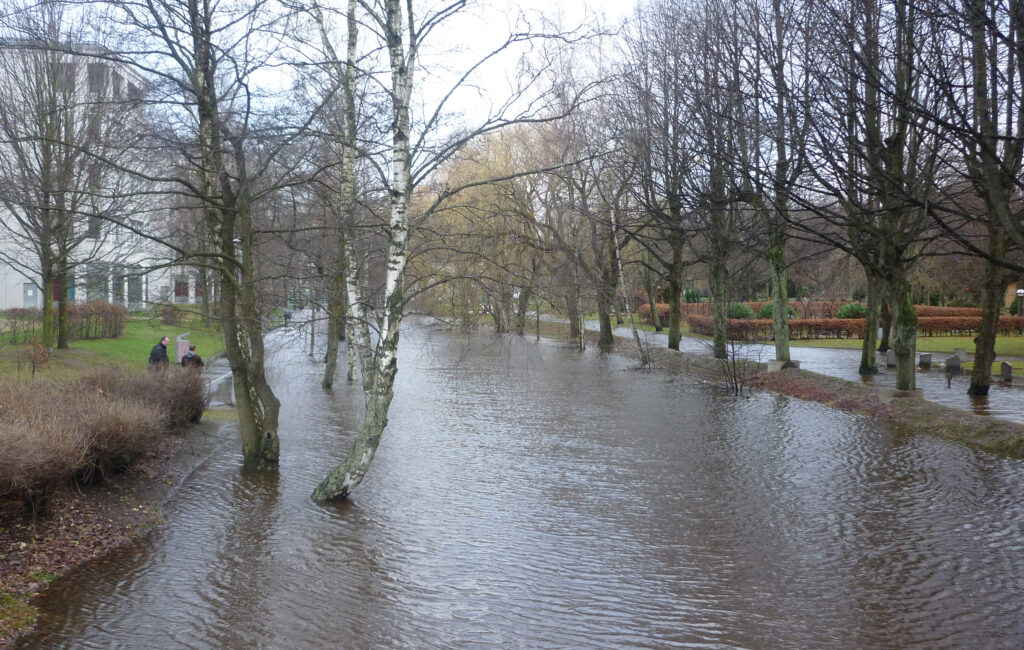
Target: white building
(99, 109)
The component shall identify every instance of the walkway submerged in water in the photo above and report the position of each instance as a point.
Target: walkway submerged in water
(1003, 402)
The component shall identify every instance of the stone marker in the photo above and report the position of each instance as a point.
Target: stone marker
(960, 352)
(925, 361)
(1006, 372)
(953, 365)
(890, 359)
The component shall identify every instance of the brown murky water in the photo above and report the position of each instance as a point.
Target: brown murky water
(528, 496)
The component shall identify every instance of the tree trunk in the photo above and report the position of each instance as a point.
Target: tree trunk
(652, 300)
(47, 335)
(721, 305)
(904, 334)
(868, 360)
(523, 305)
(675, 293)
(335, 329)
(63, 309)
(885, 308)
(780, 300)
(605, 300)
(346, 476)
(572, 310)
(996, 281)
(257, 406)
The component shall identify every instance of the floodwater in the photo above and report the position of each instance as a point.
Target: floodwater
(1003, 401)
(526, 495)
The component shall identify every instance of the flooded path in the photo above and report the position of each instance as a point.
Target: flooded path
(526, 495)
(1005, 402)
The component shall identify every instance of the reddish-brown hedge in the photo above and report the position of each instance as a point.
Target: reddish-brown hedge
(760, 329)
(818, 328)
(97, 319)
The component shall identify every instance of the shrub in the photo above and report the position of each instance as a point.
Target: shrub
(645, 313)
(170, 315)
(52, 432)
(739, 310)
(852, 310)
(97, 319)
(23, 322)
(691, 295)
(766, 311)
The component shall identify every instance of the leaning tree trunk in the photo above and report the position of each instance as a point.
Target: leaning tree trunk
(904, 334)
(257, 406)
(379, 390)
(868, 360)
(996, 281)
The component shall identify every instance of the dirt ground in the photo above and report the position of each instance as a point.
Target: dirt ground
(81, 523)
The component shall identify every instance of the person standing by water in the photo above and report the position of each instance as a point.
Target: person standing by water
(191, 359)
(158, 355)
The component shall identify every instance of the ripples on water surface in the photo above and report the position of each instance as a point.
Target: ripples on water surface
(528, 496)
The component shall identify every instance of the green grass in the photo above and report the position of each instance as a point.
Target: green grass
(1006, 346)
(131, 350)
(16, 613)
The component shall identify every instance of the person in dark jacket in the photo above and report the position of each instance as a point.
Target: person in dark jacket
(158, 355)
(191, 359)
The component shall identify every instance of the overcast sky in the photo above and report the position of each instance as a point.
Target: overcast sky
(468, 37)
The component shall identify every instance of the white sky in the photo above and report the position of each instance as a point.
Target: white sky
(484, 26)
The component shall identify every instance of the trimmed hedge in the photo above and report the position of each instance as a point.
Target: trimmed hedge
(97, 320)
(822, 328)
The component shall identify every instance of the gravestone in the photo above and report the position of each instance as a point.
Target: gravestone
(925, 360)
(953, 365)
(1006, 372)
(960, 352)
(890, 359)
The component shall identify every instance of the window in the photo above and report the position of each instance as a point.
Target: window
(65, 80)
(95, 230)
(181, 289)
(97, 77)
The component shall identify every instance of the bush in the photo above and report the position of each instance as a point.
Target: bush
(23, 323)
(852, 310)
(52, 432)
(691, 295)
(766, 311)
(97, 319)
(739, 310)
(645, 313)
(170, 315)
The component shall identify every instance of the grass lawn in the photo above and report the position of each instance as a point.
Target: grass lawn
(1012, 346)
(131, 350)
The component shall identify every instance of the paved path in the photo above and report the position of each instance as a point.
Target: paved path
(1006, 402)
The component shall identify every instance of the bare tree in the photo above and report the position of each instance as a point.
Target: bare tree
(61, 152)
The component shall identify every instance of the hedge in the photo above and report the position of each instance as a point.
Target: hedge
(97, 320)
(818, 328)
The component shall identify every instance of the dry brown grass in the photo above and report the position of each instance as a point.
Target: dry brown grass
(53, 432)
